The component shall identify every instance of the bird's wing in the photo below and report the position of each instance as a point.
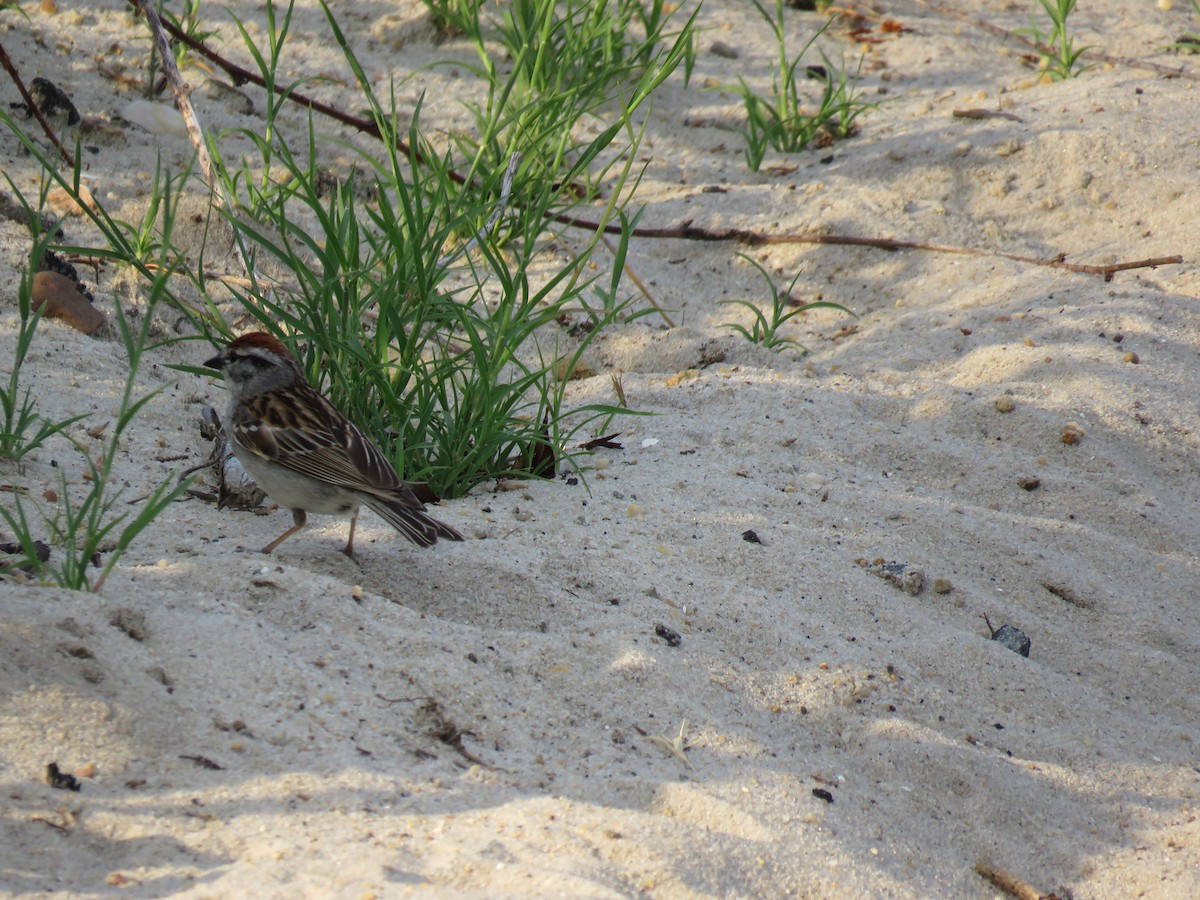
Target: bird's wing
(316, 440)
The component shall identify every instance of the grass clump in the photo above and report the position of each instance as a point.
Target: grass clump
(88, 529)
(1059, 55)
(782, 120)
(764, 329)
(448, 360)
(425, 290)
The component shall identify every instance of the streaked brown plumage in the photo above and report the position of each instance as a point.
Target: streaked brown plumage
(304, 453)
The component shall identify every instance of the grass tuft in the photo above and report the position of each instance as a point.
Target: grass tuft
(765, 327)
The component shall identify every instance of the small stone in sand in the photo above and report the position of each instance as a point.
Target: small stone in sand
(51, 100)
(130, 621)
(1029, 482)
(63, 781)
(672, 637)
(908, 578)
(1013, 638)
(1071, 434)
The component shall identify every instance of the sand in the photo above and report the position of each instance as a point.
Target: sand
(503, 717)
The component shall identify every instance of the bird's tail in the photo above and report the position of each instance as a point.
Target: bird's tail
(412, 521)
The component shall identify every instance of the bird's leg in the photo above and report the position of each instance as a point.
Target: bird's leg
(349, 548)
(299, 519)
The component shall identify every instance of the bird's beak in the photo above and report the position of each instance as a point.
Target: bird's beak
(217, 362)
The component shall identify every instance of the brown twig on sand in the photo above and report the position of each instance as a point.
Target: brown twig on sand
(985, 114)
(688, 231)
(183, 99)
(181, 89)
(1010, 883)
(33, 107)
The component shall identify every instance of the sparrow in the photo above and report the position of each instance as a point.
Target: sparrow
(304, 452)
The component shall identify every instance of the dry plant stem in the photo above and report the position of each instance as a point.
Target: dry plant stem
(182, 91)
(32, 107)
(1098, 56)
(985, 114)
(1008, 882)
(687, 231)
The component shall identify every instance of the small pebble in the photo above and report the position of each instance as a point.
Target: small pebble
(60, 780)
(1029, 482)
(1005, 404)
(157, 118)
(51, 100)
(1013, 638)
(669, 635)
(1071, 434)
(942, 586)
(1131, 357)
(908, 578)
(129, 620)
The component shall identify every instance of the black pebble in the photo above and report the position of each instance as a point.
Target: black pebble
(1013, 638)
(60, 780)
(50, 99)
(672, 637)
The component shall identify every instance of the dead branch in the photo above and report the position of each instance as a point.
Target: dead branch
(241, 75)
(182, 91)
(183, 100)
(688, 231)
(1010, 883)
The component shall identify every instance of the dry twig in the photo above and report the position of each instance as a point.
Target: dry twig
(183, 91)
(1010, 883)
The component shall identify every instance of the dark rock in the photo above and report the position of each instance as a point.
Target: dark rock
(1013, 638)
(672, 637)
(50, 99)
(63, 781)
